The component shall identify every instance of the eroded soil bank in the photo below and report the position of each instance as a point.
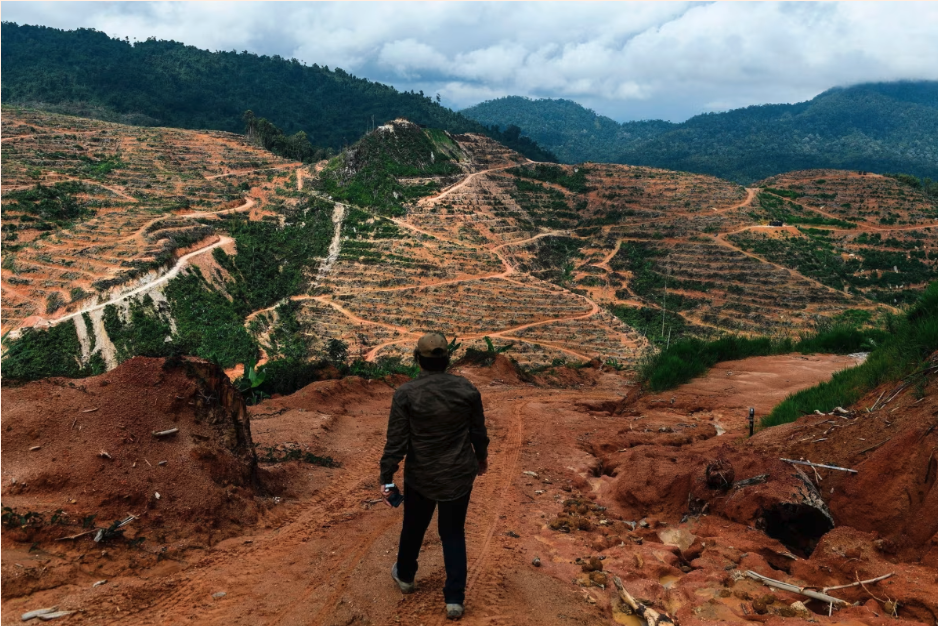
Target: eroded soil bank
(590, 469)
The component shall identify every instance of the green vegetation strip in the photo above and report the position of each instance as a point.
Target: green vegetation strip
(575, 181)
(909, 340)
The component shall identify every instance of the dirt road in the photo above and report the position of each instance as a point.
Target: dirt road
(322, 556)
(145, 287)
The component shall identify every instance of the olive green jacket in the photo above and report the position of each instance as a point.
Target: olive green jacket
(438, 424)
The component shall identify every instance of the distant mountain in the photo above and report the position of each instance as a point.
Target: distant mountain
(85, 72)
(877, 127)
(573, 132)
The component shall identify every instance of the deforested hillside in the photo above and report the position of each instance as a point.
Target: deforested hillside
(162, 490)
(123, 240)
(159, 242)
(876, 127)
(90, 207)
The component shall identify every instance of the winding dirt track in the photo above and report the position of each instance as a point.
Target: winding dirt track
(181, 262)
(409, 335)
(172, 273)
(322, 557)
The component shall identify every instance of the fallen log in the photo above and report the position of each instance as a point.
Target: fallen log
(810, 464)
(815, 595)
(649, 615)
(165, 433)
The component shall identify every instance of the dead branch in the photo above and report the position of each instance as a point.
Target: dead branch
(810, 464)
(649, 615)
(897, 392)
(755, 480)
(859, 582)
(771, 582)
(871, 448)
(165, 433)
(87, 532)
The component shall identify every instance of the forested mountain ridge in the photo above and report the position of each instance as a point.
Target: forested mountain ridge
(170, 84)
(878, 127)
(575, 133)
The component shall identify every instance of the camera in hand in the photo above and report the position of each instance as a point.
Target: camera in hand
(395, 497)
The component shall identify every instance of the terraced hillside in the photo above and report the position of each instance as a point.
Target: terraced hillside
(91, 207)
(656, 248)
(866, 234)
(210, 246)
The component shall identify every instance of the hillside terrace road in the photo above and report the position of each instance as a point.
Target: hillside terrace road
(41, 322)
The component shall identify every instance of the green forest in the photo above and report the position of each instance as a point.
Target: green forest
(154, 82)
(876, 127)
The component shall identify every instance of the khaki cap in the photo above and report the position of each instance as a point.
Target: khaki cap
(432, 345)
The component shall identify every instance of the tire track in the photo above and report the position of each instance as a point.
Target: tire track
(512, 456)
(488, 502)
(344, 577)
(328, 505)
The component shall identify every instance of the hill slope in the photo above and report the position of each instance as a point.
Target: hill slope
(167, 83)
(878, 127)
(412, 230)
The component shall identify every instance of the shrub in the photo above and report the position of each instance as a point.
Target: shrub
(54, 203)
(46, 353)
(382, 367)
(285, 376)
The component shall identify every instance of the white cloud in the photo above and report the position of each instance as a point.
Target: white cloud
(626, 60)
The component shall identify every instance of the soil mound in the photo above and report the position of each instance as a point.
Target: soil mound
(85, 453)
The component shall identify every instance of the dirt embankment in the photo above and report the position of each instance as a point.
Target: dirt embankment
(820, 527)
(592, 479)
(84, 454)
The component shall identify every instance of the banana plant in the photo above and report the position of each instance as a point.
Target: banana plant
(500, 350)
(253, 378)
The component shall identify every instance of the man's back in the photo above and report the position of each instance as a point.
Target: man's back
(438, 423)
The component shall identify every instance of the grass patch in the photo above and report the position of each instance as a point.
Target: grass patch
(272, 260)
(207, 323)
(647, 321)
(793, 213)
(909, 339)
(574, 181)
(56, 203)
(689, 358)
(143, 334)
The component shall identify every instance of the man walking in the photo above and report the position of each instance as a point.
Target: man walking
(437, 423)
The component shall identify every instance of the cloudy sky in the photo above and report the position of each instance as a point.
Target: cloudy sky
(629, 61)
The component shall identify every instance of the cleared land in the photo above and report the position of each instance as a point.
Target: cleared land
(90, 207)
(567, 263)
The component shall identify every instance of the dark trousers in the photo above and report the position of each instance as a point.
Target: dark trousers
(418, 511)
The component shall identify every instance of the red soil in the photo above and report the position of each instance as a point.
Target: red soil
(320, 550)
